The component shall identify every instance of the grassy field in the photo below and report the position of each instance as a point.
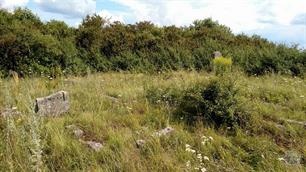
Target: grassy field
(115, 109)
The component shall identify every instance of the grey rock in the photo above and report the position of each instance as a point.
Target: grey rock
(52, 105)
(140, 143)
(163, 132)
(217, 54)
(292, 157)
(96, 146)
(111, 98)
(10, 112)
(77, 132)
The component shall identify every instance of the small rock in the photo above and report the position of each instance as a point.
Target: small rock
(217, 54)
(113, 99)
(10, 112)
(292, 157)
(140, 143)
(52, 105)
(96, 146)
(163, 132)
(78, 133)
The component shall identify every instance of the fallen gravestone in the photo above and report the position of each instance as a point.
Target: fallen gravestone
(217, 54)
(52, 105)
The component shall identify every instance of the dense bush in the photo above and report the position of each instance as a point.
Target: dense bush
(215, 104)
(31, 47)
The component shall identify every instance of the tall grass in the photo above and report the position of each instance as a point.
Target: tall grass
(31, 143)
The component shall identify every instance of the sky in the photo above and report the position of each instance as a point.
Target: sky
(281, 21)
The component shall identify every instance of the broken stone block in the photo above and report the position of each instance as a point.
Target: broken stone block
(217, 54)
(10, 112)
(163, 132)
(96, 146)
(77, 132)
(140, 143)
(52, 105)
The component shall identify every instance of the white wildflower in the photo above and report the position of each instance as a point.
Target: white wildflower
(281, 159)
(211, 138)
(188, 164)
(199, 156)
(206, 158)
(203, 169)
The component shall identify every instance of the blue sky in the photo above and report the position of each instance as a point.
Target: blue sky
(282, 21)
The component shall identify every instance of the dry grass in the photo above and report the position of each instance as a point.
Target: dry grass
(28, 142)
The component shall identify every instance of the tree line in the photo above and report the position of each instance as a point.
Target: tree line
(31, 47)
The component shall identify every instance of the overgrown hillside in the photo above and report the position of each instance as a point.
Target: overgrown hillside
(30, 47)
(252, 133)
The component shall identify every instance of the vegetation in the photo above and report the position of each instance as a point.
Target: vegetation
(233, 119)
(31, 47)
(147, 103)
(222, 65)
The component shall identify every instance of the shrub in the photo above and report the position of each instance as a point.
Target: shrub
(222, 65)
(215, 104)
(169, 95)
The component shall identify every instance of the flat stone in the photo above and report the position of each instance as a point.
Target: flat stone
(52, 105)
(10, 112)
(113, 99)
(163, 132)
(292, 157)
(96, 146)
(77, 132)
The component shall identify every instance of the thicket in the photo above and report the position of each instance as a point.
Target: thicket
(216, 104)
(32, 47)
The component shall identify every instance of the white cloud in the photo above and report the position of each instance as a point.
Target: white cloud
(69, 8)
(11, 4)
(240, 15)
(277, 20)
(112, 16)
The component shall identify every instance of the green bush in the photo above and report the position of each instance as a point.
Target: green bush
(31, 47)
(215, 104)
(169, 95)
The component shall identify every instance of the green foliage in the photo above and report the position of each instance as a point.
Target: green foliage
(114, 111)
(169, 95)
(215, 104)
(31, 47)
